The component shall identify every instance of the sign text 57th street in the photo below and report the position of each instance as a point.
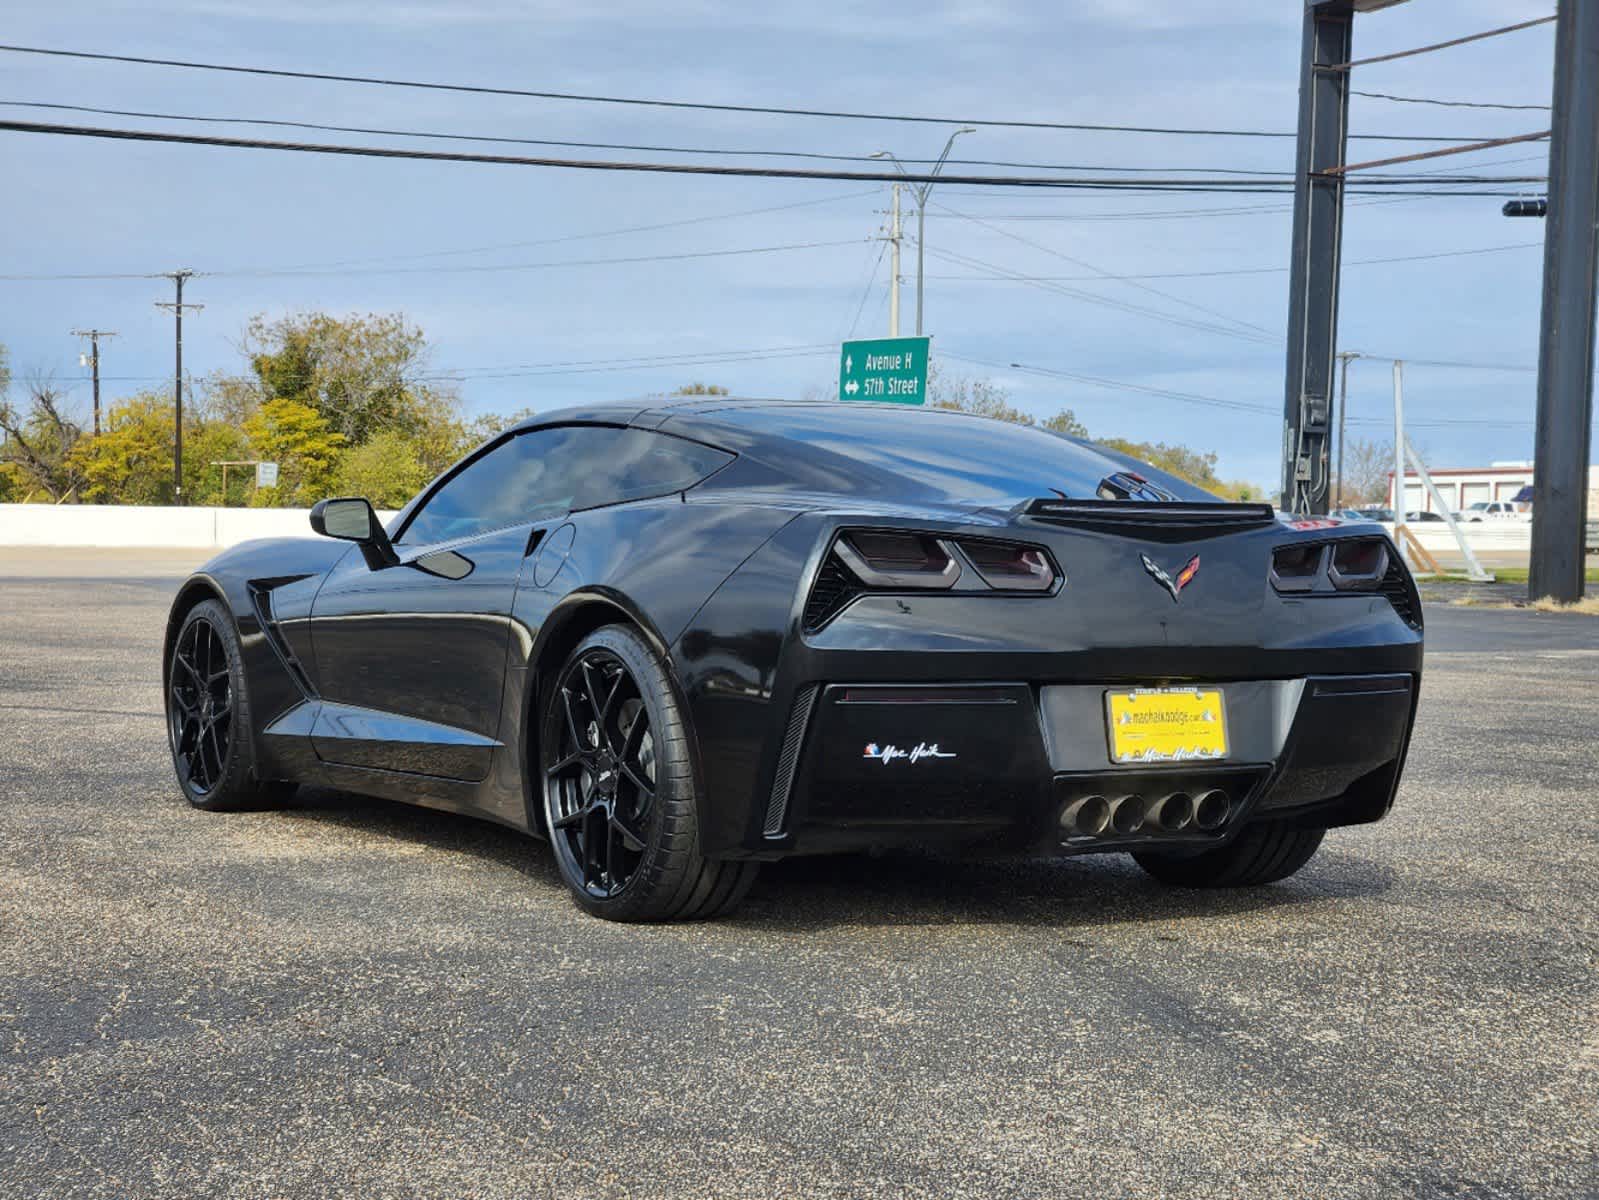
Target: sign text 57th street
(891, 370)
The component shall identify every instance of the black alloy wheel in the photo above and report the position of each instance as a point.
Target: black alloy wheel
(602, 782)
(208, 716)
(200, 707)
(619, 792)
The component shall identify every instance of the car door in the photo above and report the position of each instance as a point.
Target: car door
(411, 658)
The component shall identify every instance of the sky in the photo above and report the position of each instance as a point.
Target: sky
(500, 265)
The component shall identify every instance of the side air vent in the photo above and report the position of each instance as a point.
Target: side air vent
(1174, 521)
(799, 718)
(835, 586)
(1401, 593)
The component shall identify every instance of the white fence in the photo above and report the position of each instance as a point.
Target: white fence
(133, 525)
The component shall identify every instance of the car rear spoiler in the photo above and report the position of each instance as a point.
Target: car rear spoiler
(1161, 521)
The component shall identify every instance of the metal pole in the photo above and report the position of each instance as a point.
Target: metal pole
(921, 245)
(1566, 351)
(1318, 230)
(1399, 447)
(893, 284)
(1345, 357)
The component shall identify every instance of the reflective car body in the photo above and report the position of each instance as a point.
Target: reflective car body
(827, 712)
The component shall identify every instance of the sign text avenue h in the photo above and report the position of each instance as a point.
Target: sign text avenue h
(887, 370)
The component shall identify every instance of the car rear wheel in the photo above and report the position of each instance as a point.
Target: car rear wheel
(619, 802)
(1260, 854)
(208, 716)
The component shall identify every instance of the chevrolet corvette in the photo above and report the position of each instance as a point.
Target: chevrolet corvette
(677, 639)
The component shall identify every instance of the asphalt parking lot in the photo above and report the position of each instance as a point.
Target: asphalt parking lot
(352, 998)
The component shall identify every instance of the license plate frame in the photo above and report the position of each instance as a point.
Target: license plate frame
(1188, 725)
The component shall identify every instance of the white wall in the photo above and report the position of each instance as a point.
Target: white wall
(135, 525)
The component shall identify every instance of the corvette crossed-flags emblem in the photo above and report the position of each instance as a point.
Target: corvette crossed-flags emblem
(1174, 586)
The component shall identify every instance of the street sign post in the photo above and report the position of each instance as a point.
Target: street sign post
(886, 370)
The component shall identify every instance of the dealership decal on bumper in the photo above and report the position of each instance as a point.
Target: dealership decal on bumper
(891, 753)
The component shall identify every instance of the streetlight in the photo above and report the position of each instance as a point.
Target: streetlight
(920, 192)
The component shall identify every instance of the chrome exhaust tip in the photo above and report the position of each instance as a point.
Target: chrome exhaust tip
(1086, 816)
(1127, 815)
(1175, 812)
(1212, 809)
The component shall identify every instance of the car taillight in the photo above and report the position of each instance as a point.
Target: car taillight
(899, 560)
(1358, 565)
(1350, 565)
(1296, 568)
(1009, 566)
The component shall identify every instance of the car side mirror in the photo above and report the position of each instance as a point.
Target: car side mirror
(351, 519)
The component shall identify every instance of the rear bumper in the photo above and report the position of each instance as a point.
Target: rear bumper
(996, 765)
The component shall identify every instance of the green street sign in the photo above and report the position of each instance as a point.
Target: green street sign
(887, 370)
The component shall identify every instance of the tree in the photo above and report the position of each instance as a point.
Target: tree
(37, 454)
(701, 389)
(361, 374)
(387, 470)
(297, 438)
(1368, 468)
(984, 398)
(131, 461)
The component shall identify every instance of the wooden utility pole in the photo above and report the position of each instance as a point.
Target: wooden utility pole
(177, 306)
(94, 336)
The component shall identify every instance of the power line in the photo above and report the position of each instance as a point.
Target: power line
(1231, 186)
(573, 145)
(1104, 301)
(394, 152)
(601, 233)
(1103, 274)
(702, 106)
(1459, 41)
(1357, 262)
(1446, 103)
(1210, 401)
(462, 268)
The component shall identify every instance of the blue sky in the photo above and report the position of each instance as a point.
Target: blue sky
(75, 206)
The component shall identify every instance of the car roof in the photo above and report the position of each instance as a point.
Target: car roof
(884, 450)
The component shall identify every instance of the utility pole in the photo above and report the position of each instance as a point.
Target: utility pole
(1345, 357)
(1565, 350)
(921, 215)
(94, 336)
(893, 281)
(177, 307)
(1317, 236)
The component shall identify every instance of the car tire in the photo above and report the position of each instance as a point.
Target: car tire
(619, 799)
(1263, 853)
(208, 717)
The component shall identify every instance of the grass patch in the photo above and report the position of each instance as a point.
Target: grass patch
(1588, 606)
(1500, 574)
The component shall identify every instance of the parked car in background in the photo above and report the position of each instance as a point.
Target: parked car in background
(1375, 513)
(1495, 510)
(1423, 516)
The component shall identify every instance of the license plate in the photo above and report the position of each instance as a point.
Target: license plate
(1176, 724)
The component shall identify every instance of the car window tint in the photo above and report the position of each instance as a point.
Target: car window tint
(547, 472)
(632, 464)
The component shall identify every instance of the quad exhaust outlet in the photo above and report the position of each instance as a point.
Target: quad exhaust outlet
(1095, 815)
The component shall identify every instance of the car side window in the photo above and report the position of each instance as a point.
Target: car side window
(634, 464)
(519, 480)
(545, 473)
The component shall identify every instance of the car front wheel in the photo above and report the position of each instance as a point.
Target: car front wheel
(208, 716)
(618, 784)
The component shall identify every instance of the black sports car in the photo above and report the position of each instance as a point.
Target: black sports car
(683, 638)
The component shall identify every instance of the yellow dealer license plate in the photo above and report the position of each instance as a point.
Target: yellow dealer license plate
(1175, 724)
